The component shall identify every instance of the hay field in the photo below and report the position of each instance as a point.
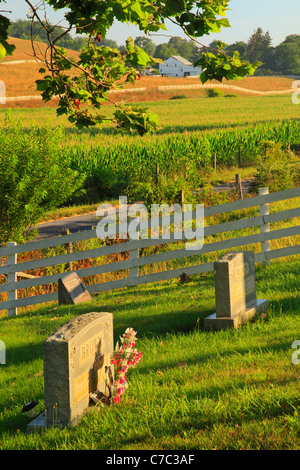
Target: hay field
(20, 80)
(20, 77)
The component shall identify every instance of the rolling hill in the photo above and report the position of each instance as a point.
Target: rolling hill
(20, 70)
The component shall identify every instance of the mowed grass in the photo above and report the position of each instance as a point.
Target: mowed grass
(236, 389)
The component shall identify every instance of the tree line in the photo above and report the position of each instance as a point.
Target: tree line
(283, 59)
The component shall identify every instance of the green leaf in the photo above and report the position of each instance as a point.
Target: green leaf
(42, 85)
(136, 7)
(203, 76)
(142, 57)
(130, 45)
(2, 51)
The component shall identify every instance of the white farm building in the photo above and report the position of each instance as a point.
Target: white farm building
(177, 66)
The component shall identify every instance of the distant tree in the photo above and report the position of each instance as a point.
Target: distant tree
(146, 44)
(20, 29)
(164, 51)
(292, 39)
(259, 47)
(287, 58)
(109, 43)
(239, 46)
(183, 47)
(196, 54)
(26, 29)
(180, 47)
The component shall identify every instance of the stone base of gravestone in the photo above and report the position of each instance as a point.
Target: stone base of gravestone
(37, 424)
(235, 291)
(212, 322)
(76, 365)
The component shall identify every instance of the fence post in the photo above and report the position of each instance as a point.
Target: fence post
(68, 247)
(134, 271)
(182, 197)
(264, 210)
(12, 277)
(238, 184)
(215, 161)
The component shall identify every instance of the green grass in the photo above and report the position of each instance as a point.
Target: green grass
(192, 114)
(193, 389)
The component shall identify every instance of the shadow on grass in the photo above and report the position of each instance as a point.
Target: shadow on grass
(173, 129)
(172, 306)
(24, 353)
(205, 358)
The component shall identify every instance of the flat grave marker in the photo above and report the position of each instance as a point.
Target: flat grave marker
(71, 290)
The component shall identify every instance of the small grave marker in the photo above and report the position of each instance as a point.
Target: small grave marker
(71, 290)
(76, 365)
(235, 291)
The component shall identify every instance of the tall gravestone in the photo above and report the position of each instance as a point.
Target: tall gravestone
(235, 291)
(76, 364)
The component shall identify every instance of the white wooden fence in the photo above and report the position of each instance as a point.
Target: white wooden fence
(265, 235)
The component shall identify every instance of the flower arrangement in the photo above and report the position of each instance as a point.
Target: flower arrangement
(123, 357)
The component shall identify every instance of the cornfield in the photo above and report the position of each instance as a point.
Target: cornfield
(114, 165)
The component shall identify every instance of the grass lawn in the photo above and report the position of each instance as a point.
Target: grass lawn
(236, 389)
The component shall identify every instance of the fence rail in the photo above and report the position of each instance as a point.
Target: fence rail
(265, 235)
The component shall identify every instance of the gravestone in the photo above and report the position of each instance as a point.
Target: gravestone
(235, 291)
(76, 364)
(71, 290)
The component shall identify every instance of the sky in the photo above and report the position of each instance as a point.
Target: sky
(280, 18)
